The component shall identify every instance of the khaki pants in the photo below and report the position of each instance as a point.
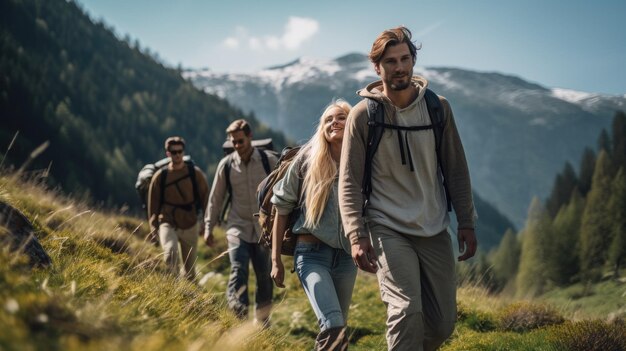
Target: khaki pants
(170, 237)
(416, 277)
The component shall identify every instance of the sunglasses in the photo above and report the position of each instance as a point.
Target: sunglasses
(176, 152)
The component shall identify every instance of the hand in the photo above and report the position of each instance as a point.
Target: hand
(364, 255)
(208, 238)
(467, 243)
(278, 273)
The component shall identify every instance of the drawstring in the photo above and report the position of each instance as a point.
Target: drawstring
(408, 149)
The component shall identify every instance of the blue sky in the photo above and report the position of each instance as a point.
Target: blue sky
(578, 45)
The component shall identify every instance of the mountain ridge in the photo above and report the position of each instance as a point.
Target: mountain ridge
(517, 133)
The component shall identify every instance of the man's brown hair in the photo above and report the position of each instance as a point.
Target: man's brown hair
(240, 124)
(392, 37)
(174, 140)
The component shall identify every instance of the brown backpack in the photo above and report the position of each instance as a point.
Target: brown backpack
(267, 211)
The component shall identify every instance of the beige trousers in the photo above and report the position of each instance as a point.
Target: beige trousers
(170, 237)
(416, 277)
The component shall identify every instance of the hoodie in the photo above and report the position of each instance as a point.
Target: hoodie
(408, 201)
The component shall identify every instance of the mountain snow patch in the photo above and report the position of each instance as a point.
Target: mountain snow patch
(365, 74)
(303, 70)
(439, 77)
(573, 96)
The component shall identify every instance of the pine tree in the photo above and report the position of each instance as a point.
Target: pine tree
(564, 184)
(587, 166)
(617, 208)
(533, 275)
(565, 260)
(596, 226)
(619, 140)
(604, 142)
(505, 260)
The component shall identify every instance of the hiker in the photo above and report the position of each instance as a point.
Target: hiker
(395, 205)
(322, 254)
(246, 168)
(173, 205)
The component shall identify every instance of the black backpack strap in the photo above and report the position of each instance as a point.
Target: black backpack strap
(163, 184)
(196, 195)
(227, 166)
(265, 161)
(229, 188)
(438, 121)
(375, 122)
(302, 170)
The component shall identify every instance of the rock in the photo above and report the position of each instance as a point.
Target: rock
(20, 235)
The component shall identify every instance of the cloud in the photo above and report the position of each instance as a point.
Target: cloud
(297, 31)
(254, 43)
(231, 43)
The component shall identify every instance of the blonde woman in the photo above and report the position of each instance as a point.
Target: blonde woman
(322, 257)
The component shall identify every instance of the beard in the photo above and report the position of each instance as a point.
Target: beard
(400, 85)
(400, 82)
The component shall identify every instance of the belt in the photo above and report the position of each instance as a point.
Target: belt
(308, 238)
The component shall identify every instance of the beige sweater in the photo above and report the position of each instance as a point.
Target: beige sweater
(409, 202)
(244, 180)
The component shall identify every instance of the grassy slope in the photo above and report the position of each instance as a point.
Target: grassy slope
(107, 290)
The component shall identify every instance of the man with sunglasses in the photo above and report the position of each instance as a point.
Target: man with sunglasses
(175, 197)
(245, 170)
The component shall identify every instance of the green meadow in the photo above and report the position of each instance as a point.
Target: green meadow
(107, 289)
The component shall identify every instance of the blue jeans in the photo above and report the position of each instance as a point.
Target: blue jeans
(327, 276)
(240, 254)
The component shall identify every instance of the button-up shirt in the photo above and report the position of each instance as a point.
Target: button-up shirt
(244, 180)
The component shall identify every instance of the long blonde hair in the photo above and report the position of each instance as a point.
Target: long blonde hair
(321, 169)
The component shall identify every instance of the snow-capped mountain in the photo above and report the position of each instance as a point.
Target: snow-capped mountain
(517, 134)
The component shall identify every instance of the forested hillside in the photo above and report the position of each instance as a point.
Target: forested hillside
(104, 104)
(578, 235)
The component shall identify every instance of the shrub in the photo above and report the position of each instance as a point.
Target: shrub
(590, 335)
(481, 322)
(521, 317)
(497, 341)
(476, 320)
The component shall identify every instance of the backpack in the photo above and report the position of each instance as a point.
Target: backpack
(144, 178)
(267, 211)
(376, 128)
(265, 144)
(229, 187)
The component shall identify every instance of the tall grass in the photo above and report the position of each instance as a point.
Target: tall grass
(108, 289)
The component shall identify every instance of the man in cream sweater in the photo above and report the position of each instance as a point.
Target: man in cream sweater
(401, 233)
